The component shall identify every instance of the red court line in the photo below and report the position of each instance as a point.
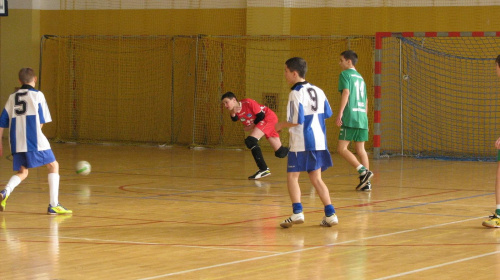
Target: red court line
(348, 206)
(254, 245)
(146, 221)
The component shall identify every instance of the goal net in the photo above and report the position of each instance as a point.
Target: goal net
(437, 95)
(167, 89)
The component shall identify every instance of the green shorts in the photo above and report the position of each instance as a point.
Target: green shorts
(498, 155)
(353, 134)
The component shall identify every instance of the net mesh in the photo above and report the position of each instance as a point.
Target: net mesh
(167, 89)
(440, 97)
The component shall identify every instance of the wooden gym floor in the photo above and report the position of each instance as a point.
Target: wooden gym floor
(176, 213)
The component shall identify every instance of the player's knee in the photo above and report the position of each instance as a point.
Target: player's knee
(251, 142)
(53, 167)
(341, 149)
(23, 173)
(281, 152)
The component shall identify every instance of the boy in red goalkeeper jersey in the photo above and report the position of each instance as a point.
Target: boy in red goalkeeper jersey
(259, 121)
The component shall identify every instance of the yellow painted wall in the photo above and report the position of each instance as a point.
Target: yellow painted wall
(144, 22)
(22, 29)
(368, 21)
(20, 32)
(19, 47)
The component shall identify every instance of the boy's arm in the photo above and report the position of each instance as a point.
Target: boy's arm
(279, 126)
(343, 103)
(259, 117)
(497, 144)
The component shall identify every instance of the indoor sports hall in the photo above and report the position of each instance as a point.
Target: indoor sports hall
(134, 88)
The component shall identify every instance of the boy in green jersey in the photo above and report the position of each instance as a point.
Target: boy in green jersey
(352, 118)
(494, 220)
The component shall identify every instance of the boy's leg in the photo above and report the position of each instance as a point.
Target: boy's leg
(497, 189)
(295, 195)
(363, 178)
(14, 181)
(494, 220)
(346, 154)
(53, 177)
(268, 129)
(252, 143)
(18, 162)
(320, 186)
(361, 152)
(279, 150)
(330, 217)
(293, 186)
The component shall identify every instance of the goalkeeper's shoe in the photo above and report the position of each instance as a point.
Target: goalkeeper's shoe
(4, 197)
(58, 210)
(493, 222)
(260, 174)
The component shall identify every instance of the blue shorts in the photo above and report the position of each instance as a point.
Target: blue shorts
(32, 159)
(309, 161)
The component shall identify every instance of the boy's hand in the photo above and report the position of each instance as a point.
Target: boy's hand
(278, 127)
(338, 121)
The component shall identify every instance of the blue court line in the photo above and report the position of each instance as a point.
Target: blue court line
(436, 202)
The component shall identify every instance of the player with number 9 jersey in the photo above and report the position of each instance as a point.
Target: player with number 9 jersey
(308, 107)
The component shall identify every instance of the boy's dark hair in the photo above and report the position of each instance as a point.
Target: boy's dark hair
(229, 95)
(350, 55)
(297, 64)
(497, 61)
(26, 75)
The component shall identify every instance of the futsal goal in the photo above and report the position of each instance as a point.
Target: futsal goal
(437, 95)
(166, 89)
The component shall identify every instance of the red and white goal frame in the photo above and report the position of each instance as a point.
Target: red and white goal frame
(379, 36)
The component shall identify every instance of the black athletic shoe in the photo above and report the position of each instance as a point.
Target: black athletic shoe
(366, 188)
(364, 179)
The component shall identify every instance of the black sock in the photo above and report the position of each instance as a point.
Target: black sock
(259, 159)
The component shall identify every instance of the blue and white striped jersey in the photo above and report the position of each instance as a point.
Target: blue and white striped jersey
(23, 113)
(308, 107)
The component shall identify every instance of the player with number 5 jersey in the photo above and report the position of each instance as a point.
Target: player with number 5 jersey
(24, 114)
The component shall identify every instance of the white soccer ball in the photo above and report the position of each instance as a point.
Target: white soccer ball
(82, 168)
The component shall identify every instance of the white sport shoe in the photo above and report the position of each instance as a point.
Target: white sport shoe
(294, 219)
(260, 174)
(329, 221)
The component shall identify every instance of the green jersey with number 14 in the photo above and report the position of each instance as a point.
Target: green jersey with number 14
(355, 111)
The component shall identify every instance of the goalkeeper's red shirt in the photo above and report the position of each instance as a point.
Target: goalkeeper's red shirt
(250, 108)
